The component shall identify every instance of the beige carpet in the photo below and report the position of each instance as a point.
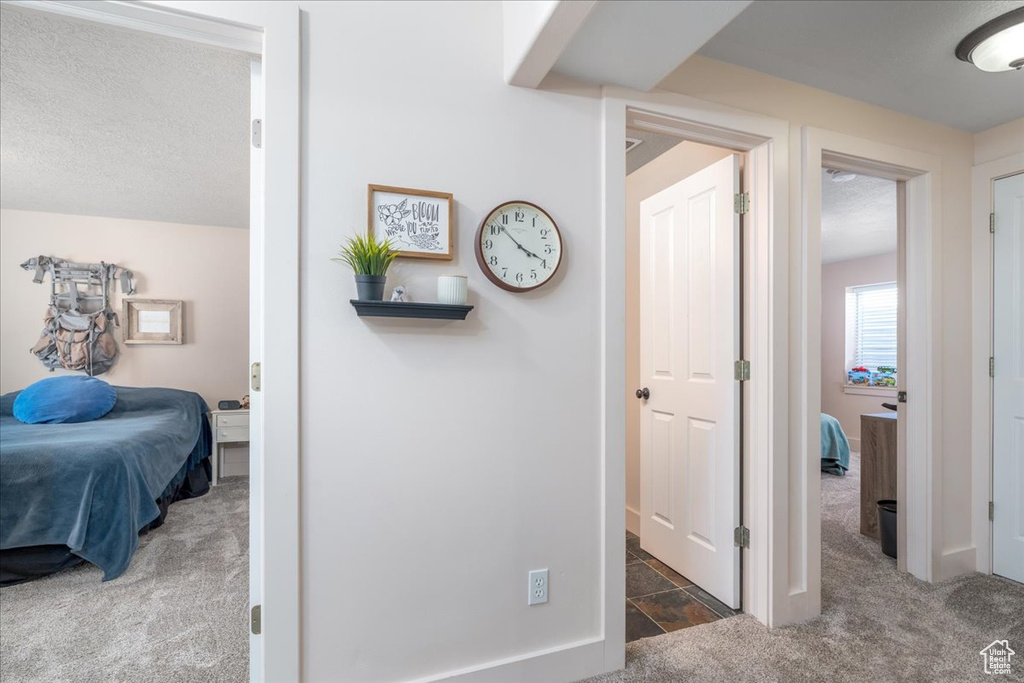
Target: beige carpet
(178, 614)
(876, 625)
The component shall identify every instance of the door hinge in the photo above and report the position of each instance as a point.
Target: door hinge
(991, 222)
(255, 375)
(741, 537)
(741, 370)
(257, 133)
(741, 202)
(991, 366)
(991, 511)
(256, 620)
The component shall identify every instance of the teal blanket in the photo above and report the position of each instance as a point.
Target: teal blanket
(835, 449)
(93, 485)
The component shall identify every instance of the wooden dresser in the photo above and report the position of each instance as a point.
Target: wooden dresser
(877, 467)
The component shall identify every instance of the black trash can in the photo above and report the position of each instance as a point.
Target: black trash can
(887, 526)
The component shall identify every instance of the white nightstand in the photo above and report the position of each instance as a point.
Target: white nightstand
(229, 426)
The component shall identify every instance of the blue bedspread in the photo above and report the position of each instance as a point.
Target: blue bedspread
(835, 449)
(93, 485)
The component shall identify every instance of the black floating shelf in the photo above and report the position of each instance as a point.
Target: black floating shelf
(410, 309)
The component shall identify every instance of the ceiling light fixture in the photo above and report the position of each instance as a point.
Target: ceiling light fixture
(997, 45)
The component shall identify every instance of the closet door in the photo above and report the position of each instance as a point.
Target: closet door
(689, 340)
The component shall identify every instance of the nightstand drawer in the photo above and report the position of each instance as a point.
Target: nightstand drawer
(229, 434)
(241, 420)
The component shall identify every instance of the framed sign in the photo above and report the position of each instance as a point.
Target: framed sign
(152, 321)
(418, 222)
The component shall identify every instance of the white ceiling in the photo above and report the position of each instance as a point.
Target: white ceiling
(897, 55)
(100, 120)
(858, 218)
(636, 43)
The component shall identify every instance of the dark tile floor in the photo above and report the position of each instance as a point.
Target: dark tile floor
(659, 600)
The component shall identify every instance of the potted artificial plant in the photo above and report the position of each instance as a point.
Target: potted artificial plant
(369, 260)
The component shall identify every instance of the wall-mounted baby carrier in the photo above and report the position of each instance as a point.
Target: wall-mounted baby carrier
(78, 326)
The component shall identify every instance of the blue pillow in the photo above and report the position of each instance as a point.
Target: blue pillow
(68, 398)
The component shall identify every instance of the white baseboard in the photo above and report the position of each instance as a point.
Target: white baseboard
(562, 664)
(632, 520)
(956, 562)
(854, 444)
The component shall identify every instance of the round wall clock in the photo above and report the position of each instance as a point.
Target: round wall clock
(518, 246)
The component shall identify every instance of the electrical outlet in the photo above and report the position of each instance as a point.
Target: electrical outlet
(538, 587)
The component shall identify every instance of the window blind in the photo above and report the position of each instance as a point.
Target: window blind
(871, 325)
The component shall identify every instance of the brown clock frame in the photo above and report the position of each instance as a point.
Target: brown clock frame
(480, 252)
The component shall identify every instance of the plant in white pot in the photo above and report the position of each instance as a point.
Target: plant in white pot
(369, 260)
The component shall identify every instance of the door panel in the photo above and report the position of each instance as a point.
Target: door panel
(662, 449)
(662, 227)
(689, 427)
(1008, 383)
(700, 285)
(701, 451)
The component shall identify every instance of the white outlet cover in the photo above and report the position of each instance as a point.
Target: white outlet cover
(537, 590)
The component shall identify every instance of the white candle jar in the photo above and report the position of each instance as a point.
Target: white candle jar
(452, 289)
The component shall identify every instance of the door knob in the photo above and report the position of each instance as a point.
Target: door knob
(644, 393)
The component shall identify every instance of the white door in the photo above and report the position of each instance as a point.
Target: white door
(255, 353)
(1008, 383)
(689, 341)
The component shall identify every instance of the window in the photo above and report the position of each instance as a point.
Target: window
(871, 332)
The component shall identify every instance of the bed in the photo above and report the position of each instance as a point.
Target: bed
(835, 448)
(85, 491)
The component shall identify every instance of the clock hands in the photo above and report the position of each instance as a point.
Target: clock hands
(521, 247)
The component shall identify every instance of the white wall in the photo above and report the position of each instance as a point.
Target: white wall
(998, 142)
(207, 267)
(678, 163)
(443, 460)
(835, 278)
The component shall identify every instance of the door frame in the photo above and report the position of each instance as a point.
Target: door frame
(982, 320)
(920, 524)
(268, 29)
(766, 593)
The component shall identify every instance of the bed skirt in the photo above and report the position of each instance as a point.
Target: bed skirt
(18, 565)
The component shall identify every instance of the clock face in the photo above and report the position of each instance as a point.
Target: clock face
(518, 246)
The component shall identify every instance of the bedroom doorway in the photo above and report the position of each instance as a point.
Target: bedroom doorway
(861, 342)
(683, 262)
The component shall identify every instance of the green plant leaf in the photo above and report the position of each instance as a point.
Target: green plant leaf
(365, 255)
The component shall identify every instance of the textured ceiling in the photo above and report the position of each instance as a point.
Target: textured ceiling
(858, 218)
(652, 146)
(105, 121)
(897, 55)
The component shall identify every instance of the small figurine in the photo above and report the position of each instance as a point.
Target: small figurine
(398, 293)
(245, 402)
